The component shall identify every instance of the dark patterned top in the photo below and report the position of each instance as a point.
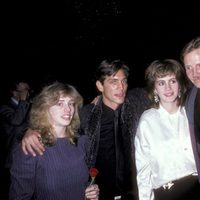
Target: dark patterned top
(60, 174)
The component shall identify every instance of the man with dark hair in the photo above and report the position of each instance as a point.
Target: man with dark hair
(109, 134)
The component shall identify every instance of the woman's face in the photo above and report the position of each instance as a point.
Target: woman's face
(167, 88)
(62, 113)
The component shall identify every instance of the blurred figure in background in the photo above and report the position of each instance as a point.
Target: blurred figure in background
(13, 119)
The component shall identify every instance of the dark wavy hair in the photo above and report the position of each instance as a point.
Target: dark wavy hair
(109, 68)
(161, 68)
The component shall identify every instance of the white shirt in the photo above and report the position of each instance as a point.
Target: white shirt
(163, 150)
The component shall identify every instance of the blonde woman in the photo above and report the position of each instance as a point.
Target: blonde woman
(61, 172)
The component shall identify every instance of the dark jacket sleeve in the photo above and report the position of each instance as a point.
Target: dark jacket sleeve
(15, 117)
(22, 175)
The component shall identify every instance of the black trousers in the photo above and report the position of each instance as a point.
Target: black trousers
(187, 188)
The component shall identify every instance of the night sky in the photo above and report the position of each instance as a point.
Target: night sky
(66, 40)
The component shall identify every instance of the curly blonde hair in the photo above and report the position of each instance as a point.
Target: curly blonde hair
(48, 97)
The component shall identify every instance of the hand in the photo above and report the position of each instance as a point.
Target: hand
(23, 90)
(31, 143)
(23, 95)
(92, 192)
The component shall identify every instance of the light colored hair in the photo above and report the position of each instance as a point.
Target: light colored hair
(189, 47)
(49, 96)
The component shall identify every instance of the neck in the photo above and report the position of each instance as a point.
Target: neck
(112, 105)
(60, 131)
(170, 107)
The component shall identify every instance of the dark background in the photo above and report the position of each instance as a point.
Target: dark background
(66, 40)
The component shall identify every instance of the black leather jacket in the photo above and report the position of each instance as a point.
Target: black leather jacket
(135, 103)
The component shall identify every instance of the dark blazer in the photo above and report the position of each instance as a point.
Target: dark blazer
(14, 121)
(197, 115)
(192, 110)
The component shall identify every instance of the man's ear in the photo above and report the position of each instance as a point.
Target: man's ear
(99, 86)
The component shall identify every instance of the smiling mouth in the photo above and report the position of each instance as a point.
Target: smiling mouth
(66, 117)
(169, 95)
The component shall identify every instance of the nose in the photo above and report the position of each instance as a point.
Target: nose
(121, 85)
(168, 86)
(196, 71)
(67, 108)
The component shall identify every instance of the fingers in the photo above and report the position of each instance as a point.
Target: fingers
(23, 95)
(92, 192)
(31, 143)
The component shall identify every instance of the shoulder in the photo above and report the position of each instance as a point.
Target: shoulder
(149, 114)
(192, 92)
(136, 92)
(5, 108)
(83, 141)
(191, 95)
(148, 122)
(82, 138)
(138, 96)
(85, 112)
(86, 109)
(19, 158)
(90, 110)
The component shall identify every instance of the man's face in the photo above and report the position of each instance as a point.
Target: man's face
(192, 66)
(22, 91)
(113, 89)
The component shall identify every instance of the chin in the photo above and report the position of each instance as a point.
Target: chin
(120, 102)
(197, 84)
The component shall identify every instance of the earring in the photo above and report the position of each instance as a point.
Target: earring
(179, 94)
(156, 98)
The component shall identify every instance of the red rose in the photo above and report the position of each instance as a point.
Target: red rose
(93, 173)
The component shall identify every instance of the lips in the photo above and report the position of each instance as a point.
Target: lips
(169, 94)
(66, 117)
(121, 95)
